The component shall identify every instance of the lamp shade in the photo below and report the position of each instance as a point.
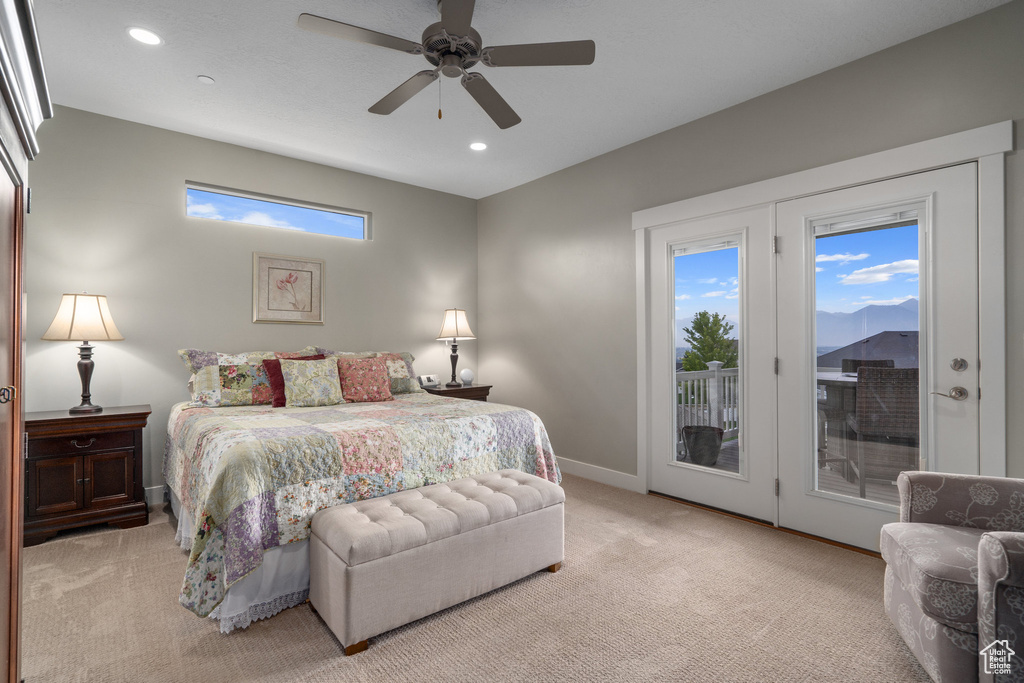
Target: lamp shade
(83, 317)
(455, 326)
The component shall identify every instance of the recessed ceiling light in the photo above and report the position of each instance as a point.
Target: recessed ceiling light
(144, 36)
(478, 146)
(205, 80)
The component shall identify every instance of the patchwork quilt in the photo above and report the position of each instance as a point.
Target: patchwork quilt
(254, 476)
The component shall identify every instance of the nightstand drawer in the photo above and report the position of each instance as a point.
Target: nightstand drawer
(84, 443)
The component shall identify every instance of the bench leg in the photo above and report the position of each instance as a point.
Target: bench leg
(357, 648)
(555, 567)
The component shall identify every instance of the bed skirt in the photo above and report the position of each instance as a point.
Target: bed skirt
(282, 581)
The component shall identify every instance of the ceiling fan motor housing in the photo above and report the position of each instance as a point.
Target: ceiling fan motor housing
(454, 54)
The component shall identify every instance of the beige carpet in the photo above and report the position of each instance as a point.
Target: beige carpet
(650, 590)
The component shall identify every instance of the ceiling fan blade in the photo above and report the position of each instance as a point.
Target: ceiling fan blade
(403, 93)
(456, 16)
(489, 99)
(329, 27)
(568, 53)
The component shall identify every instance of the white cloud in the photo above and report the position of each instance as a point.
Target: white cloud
(880, 273)
(708, 281)
(203, 210)
(842, 258)
(721, 293)
(868, 301)
(682, 297)
(819, 269)
(260, 218)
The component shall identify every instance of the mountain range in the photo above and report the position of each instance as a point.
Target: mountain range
(840, 329)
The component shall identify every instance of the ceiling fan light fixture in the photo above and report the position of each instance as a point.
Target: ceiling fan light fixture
(144, 36)
(478, 146)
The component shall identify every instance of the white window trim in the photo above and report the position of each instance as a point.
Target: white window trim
(986, 145)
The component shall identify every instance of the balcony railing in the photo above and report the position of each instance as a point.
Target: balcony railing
(709, 397)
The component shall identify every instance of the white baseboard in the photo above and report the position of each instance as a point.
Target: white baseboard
(154, 495)
(602, 475)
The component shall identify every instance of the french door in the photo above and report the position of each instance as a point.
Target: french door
(712, 371)
(853, 315)
(878, 309)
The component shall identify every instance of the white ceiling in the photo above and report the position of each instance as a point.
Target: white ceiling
(660, 64)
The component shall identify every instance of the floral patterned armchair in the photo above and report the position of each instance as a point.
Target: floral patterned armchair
(954, 578)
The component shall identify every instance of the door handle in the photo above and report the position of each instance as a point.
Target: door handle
(8, 394)
(956, 393)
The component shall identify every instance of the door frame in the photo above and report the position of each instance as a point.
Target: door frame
(986, 145)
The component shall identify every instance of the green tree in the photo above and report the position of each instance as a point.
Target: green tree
(708, 338)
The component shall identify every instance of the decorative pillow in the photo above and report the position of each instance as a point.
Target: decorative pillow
(228, 379)
(272, 366)
(400, 372)
(311, 383)
(310, 350)
(364, 380)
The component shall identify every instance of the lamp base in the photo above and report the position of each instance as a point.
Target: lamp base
(455, 361)
(85, 366)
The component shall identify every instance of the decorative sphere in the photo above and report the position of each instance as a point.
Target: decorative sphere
(467, 376)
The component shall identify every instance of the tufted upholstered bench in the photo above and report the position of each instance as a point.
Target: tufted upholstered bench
(381, 563)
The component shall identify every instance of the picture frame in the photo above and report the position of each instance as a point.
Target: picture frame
(287, 289)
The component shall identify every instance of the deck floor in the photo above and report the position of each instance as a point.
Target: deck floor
(728, 457)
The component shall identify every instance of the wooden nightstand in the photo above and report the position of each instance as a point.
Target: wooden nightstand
(83, 469)
(474, 392)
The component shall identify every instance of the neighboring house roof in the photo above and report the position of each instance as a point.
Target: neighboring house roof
(900, 347)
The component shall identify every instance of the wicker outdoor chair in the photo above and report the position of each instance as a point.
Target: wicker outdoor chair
(887, 414)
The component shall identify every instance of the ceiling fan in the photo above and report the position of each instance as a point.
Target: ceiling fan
(452, 46)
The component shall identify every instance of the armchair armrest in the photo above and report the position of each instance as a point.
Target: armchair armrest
(990, 503)
(1000, 592)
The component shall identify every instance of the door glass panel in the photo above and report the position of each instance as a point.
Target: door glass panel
(867, 293)
(707, 355)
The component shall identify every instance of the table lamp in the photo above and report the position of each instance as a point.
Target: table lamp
(83, 317)
(455, 327)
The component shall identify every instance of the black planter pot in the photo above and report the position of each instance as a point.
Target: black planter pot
(702, 444)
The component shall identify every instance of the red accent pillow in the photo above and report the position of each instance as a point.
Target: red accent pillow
(272, 366)
(364, 380)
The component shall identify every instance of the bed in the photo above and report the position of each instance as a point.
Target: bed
(245, 481)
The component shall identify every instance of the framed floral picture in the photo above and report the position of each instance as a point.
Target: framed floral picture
(287, 289)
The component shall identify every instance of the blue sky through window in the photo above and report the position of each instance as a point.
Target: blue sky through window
(858, 269)
(707, 281)
(852, 270)
(226, 207)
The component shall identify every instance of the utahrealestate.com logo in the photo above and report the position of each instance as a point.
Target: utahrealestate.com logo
(997, 658)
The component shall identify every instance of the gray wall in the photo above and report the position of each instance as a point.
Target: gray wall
(108, 217)
(557, 274)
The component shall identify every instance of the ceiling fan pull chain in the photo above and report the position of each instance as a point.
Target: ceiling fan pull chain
(438, 100)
